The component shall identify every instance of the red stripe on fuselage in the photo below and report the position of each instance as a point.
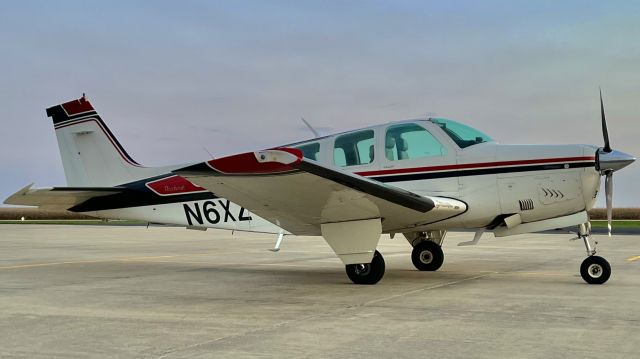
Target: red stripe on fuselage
(474, 165)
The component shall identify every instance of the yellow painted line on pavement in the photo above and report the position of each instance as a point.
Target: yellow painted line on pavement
(48, 264)
(144, 258)
(539, 274)
(634, 258)
(33, 265)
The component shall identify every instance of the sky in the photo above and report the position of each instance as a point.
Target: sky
(175, 80)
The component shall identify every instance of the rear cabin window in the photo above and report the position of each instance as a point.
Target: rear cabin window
(310, 151)
(354, 149)
(408, 141)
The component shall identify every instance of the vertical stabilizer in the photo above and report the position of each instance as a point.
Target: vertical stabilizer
(91, 154)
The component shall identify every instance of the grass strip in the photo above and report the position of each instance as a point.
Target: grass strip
(91, 222)
(616, 224)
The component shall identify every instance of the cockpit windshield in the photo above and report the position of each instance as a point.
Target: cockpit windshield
(463, 135)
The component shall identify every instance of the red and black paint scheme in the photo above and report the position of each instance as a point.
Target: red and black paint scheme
(158, 190)
(479, 169)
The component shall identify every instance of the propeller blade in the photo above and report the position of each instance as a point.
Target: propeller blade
(605, 131)
(608, 190)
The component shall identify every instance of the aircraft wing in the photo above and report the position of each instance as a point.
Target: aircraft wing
(300, 195)
(58, 197)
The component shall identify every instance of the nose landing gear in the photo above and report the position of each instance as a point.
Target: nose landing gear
(594, 269)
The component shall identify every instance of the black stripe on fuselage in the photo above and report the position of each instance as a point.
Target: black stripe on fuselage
(479, 172)
(198, 169)
(136, 199)
(137, 194)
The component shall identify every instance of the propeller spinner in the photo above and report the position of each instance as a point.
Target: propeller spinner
(609, 161)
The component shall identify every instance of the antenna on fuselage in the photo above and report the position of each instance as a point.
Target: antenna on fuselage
(207, 151)
(313, 130)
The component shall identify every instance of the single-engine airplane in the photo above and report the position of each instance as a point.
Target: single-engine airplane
(417, 177)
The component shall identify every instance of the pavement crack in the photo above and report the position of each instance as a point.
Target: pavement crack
(242, 334)
(423, 289)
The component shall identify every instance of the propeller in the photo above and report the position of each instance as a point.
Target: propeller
(608, 190)
(605, 131)
(609, 161)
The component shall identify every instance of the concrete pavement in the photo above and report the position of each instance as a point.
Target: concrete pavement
(110, 291)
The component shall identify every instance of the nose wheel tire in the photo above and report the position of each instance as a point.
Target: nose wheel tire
(427, 256)
(367, 273)
(595, 270)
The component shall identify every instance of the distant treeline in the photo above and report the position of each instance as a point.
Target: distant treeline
(618, 213)
(16, 214)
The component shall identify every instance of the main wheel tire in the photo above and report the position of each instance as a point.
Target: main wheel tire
(367, 273)
(595, 270)
(427, 256)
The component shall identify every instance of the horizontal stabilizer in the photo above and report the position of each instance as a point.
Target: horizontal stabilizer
(58, 197)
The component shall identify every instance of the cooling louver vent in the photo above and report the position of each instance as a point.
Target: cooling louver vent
(526, 204)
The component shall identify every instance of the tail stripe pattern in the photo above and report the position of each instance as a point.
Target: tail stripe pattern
(81, 111)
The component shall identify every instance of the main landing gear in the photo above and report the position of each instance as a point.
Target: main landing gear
(427, 256)
(367, 273)
(594, 269)
(427, 252)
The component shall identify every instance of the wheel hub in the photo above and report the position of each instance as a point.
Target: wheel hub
(363, 269)
(426, 257)
(595, 270)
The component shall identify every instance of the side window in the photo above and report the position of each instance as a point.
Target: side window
(339, 157)
(354, 149)
(408, 141)
(310, 150)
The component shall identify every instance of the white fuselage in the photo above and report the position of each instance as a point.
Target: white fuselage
(536, 181)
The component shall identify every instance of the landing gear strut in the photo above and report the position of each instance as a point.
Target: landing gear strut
(367, 273)
(594, 269)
